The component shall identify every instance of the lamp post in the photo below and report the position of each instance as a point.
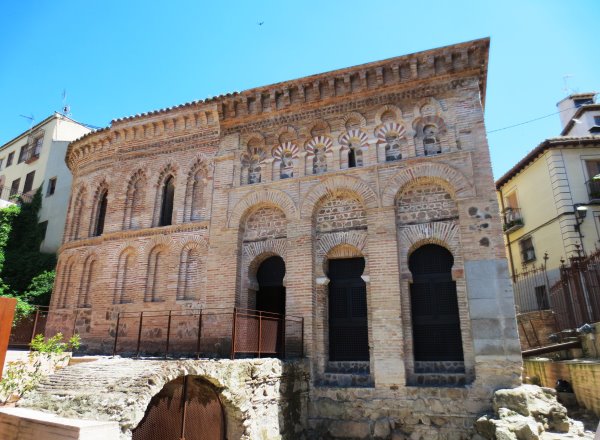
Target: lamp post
(580, 212)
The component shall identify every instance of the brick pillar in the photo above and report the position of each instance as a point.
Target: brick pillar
(299, 277)
(387, 360)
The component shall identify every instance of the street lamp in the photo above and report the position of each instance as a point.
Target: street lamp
(580, 210)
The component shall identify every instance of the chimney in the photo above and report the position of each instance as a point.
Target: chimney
(571, 103)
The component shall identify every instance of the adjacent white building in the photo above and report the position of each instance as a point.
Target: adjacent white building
(36, 158)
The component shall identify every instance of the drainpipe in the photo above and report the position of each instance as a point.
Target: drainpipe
(510, 256)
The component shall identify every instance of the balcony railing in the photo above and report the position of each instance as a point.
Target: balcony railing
(512, 220)
(593, 189)
(10, 195)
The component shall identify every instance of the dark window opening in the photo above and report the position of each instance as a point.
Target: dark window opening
(166, 211)
(10, 158)
(51, 186)
(579, 102)
(101, 215)
(43, 228)
(37, 147)
(348, 324)
(434, 306)
(28, 182)
(351, 158)
(527, 250)
(271, 294)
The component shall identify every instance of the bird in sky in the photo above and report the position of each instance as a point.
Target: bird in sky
(260, 23)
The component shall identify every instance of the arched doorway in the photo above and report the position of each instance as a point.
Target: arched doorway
(434, 307)
(186, 408)
(271, 292)
(348, 325)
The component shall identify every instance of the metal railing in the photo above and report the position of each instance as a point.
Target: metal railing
(593, 189)
(27, 327)
(214, 333)
(512, 219)
(8, 194)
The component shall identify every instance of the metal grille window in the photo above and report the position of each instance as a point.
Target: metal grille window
(596, 120)
(527, 250)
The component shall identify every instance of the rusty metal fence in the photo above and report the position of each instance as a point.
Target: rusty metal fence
(213, 333)
(27, 327)
(576, 297)
(568, 303)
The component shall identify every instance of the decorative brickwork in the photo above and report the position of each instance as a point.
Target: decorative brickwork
(370, 162)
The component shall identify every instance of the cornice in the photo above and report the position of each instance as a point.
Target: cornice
(135, 233)
(411, 72)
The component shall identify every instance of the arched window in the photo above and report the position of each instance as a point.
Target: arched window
(271, 294)
(431, 143)
(393, 150)
(166, 207)
(100, 214)
(287, 165)
(434, 308)
(351, 157)
(320, 160)
(348, 324)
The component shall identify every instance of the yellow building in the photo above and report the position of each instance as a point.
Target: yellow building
(36, 158)
(550, 199)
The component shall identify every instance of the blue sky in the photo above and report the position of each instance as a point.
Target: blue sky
(118, 58)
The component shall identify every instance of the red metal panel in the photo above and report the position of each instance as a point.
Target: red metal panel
(7, 313)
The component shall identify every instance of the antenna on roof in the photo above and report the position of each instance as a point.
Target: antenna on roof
(66, 109)
(31, 119)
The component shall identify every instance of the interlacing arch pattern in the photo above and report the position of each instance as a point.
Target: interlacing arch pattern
(77, 209)
(135, 200)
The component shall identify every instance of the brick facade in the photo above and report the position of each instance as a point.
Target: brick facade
(372, 161)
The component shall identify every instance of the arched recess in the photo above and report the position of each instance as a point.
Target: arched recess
(123, 284)
(262, 197)
(187, 407)
(191, 271)
(67, 285)
(157, 274)
(88, 278)
(77, 213)
(195, 191)
(335, 185)
(135, 200)
(457, 184)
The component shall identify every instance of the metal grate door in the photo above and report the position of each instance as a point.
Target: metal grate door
(434, 306)
(348, 325)
(187, 408)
